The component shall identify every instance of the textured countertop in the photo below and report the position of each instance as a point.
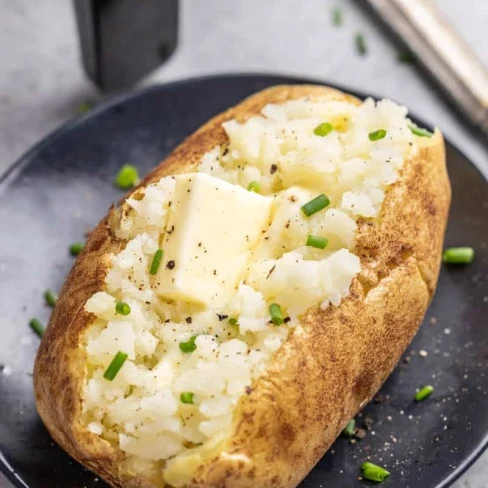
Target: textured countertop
(42, 82)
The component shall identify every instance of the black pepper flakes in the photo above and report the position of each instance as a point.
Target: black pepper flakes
(248, 390)
(171, 264)
(215, 272)
(222, 317)
(270, 271)
(273, 169)
(286, 320)
(188, 320)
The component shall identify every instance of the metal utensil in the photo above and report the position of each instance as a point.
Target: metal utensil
(441, 51)
(123, 40)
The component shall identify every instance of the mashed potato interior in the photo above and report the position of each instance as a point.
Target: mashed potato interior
(167, 398)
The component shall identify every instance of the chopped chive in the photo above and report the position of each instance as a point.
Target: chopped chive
(158, 256)
(337, 16)
(406, 57)
(122, 308)
(373, 472)
(127, 177)
(188, 346)
(114, 367)
(360, 44)
(233, 321)
(317, 241)
(276, 314)
(37, 327)
(254, 186)
(349, 428)
(315, 205)
(85, 107)
(377, 135)
(51, 297)
(458, 255)
(323, 129)
(186, 397)
(76, 248)
(418, 131)
(424, 393)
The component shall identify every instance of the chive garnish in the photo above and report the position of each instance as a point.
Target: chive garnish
(37, 327)
(158, 256)
(349, 428)
(51, 297)
(458, 255)
(323, 129)
(276, 314)
(377, 135)
(337, 16)
(114, 367)
(188, 346)
(373, 472)
(127, 177)
(418, 131)
(186, 397)
(360, 44)
(424, 393)
(85, 107)
(406, 57)
(122, 308)
(317, 241)
(233, 321)
(315, 205)
(76, 248)
(254, 186)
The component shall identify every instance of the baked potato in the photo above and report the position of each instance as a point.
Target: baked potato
(229, 317)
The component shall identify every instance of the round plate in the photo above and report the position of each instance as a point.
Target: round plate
(59, 191)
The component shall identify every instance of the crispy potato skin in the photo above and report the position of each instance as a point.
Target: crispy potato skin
(332, 364)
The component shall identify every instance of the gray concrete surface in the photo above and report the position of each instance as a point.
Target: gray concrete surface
(42, 82)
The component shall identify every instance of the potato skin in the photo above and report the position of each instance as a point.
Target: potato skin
(329, 368)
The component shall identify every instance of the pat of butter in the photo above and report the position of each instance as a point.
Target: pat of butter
(212, 227)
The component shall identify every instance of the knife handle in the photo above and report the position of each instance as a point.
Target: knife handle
(441, 51)
(123, 40)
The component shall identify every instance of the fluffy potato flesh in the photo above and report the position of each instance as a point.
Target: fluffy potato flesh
(209, 394)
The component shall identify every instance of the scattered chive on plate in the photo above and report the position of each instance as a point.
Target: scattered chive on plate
(361, 44)
(373, 472)
(51, 297)
(37, 327)
(76, 248)
(127, 177)
(349, 428)
(458, 255)
(424, 393)
(337, 16)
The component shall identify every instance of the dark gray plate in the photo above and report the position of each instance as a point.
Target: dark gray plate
(61, 188)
